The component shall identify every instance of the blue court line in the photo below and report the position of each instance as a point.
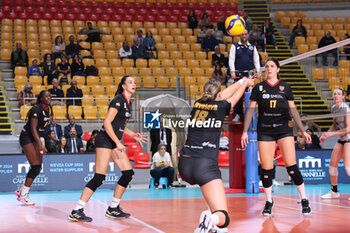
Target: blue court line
(147, 194)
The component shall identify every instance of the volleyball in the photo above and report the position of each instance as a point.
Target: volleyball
(235, 25)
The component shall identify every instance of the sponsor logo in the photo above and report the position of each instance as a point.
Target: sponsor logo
(266, 96)
(281, 88)
(261, 88)
(309, 162)
(92, 165)
(151, 120)
(26, 167)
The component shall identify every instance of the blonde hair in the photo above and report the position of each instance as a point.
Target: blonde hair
(211, 89)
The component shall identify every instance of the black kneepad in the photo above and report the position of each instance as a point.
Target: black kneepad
(266, 177)
(34, 171)
(227, 218)
(295, 174)
(96, 181)
(126, 178)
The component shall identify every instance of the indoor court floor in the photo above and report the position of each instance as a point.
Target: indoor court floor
(177, 211)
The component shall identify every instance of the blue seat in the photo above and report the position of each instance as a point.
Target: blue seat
(162, 181)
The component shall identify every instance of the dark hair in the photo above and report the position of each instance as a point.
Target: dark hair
(160, 145)
(274, 60)
(56, 39)
(120, 86)
(47, 54)
(38, 101)
(49, 132)
(217, 71)
(94, 132)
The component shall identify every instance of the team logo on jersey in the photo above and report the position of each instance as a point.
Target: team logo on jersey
(260, 88)
(117, 104)
(35, 114)
(263, 91)
(250, 47)
(124, 105)
(151, 120)
(281, 88)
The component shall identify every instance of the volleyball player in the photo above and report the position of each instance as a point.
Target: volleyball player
(275, 100)
(340, 127)
(34, 147)
(108, 146)
(199, 157)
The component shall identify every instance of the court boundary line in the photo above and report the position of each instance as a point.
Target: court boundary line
(316, 202)
(138, 220)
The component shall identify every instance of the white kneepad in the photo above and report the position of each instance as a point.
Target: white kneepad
(333, 171)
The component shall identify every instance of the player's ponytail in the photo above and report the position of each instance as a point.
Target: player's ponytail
(211, 89)
(38, 101)
(120, 86)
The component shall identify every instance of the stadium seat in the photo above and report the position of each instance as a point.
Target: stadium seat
(76, 111)
(141, 63)
(189, 80)
(93, 80)
(201, 80)
(98, 90)
(149, 82)
(205, 64)
(197, 72)
(90, 113)
(141, 160)
(157, 71)
(20, 70)
(128, 62)
(344, 64)
(223, 159)
(102, 100)
(163, 55)
(132, 149)
(85, 89)
(128, 140)
(36, 80)
(331, 72)
(171, 72)
(184, 71)
(102, 110)
(145, 71)
(87, 100)
(118, 71)
(317, 73)
(110, 91)
(196, 48)
(162, 82)
(179, 63)
(303, 48)
(131, 71)
(24, 111)
(200, 55)
(106, 80)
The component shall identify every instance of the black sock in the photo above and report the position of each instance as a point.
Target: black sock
(335, 188)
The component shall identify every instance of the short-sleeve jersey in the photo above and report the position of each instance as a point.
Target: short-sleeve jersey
(124, 113)
(204, 128)
(43, 116)
(273, 107)
(340, 121)
(160, 159)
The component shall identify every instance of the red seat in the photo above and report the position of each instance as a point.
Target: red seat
(61, 4)
(148, 6)
(211, 6)
(278, 155)
(72, 4)
(141, 160)
(180, 6)
(183, 19)
(209, 13)
(98, 11)
(2, 15)
(24, 15)
(240, 13)
(222, 6)
(47, 16)
(191, 6)
(93, 17)
(138, 5)
(229, 13)
(26, 3)
(17, 2)
(232, 6)
(12, 15)
(216, 19)
(132, 150)
(198, 13)
(30, 10)
(116, 18)
(83, 4)
(128, 140)
(6, 9)
(70, 17)
(109, 11)
(94, 5)
(41, 10)
(158, 6)
(35, 16)
(59, 16)
(131, 12)
(142, 12)
(120, 11)
(185, 12)
(128, 18)
(139, 18)
(127, 5)
(87, 11)
(150, 18)
(82, 17)
(201, 6)
(173, 19)
(105, 17)
(169, 6)
(39, 3)
(116, 5)
(18, 9)
(175, 12)
(75, 10)
(153, 12)
(165, 12)
(224, 158)
(87, 136)
(50, 3)
(6, 2)
(161, 18)
(53, 10)
(64, 10)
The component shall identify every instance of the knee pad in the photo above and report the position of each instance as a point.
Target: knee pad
(227, 218)
(126, 178)
(347, 169)
(333, 171)
(295, 174)
(34, 171)
(96, 181)
(266, 177)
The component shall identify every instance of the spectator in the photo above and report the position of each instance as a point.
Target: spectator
(218, 34)
(315, 140)
(56, 128)
(192, 20)
(162, 167)
(139, 36)
(205, 21)
(77, 66)
(25, 94)
(137, 49)
(125, 51)
(91, 147)
(221, 25)
(56, 93)
(19, 57)
(62, 146)
(34, 69)
(161, 136)
(218, 58)
(218, 75)
(74, 92)
(94, 34)
(58, 48)
(72, 48)
(307, 124)
(327, 40)
(72, 124)
(224, 141)
(149, 45)
(49, 68)
(74, 143)
(255, 29)
(50, 143)
(248, 21)
(64, 69)
(209, 42)
(301, 144)
(256, 41)
(243, 58)
(347, 47)
(298, 30)
(201, 34)
(270, 36)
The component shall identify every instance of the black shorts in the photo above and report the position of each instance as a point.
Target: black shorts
(267, 137)
(343, 142)
(25, 138)
(198, 170)
(104, 141)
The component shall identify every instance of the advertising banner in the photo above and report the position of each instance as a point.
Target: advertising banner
(59, 172)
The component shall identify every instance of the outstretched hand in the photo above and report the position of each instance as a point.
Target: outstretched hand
(141, 138)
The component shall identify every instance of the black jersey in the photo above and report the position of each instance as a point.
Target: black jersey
(273, 106)
(124, 113)
(204, 128)
(43, 116)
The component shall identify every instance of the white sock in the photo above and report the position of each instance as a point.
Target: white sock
(115, 202)
(80, 205)
(24, 190)
(301, 189)
(268, 192)
(215, 219)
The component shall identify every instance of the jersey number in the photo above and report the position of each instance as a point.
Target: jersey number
(201, 115)
(273, 103)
